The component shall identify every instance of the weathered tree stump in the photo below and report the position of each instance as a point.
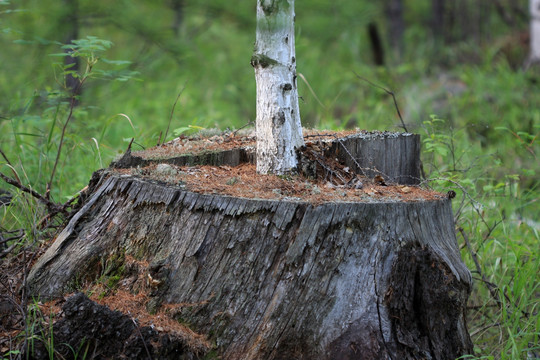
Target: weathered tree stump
(269, 279)
(394, 156)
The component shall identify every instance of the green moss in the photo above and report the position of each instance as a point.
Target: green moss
(74, 285)
(112, 281)
(108, 271)
(114, 265)
(212, 354)
(262, 60)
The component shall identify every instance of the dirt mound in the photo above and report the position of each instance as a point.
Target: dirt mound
(87, 329)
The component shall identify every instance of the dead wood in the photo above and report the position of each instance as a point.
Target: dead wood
(281, 279)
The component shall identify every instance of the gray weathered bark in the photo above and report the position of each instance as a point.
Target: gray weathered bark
(277, 279)
(394, 156)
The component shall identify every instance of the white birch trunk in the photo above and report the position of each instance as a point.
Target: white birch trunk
(534, 56)
(279, 131)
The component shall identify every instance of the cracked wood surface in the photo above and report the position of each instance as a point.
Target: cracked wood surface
(278, 279)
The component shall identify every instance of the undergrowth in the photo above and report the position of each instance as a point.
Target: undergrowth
(483, 144)
(497, 229)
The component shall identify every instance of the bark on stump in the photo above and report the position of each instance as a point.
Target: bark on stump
(273, 279)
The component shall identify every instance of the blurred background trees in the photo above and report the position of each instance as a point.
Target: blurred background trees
(210, 42)
(461, 60)
(434, 54)
(456, 67)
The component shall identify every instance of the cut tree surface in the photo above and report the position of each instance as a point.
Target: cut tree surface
(394, 156)
(337, 267)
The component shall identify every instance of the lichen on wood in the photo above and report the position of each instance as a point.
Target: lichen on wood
(262, 60)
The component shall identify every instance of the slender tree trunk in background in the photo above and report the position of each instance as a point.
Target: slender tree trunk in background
(478, 10)
(178, 8)
(377, 48)
(483, 20)
(71, 30)
(504, 13)
(394, 12)
(460, 20)
(475, 22)
(534, 56)
(438, 20)
(464, 26)
(279, 131)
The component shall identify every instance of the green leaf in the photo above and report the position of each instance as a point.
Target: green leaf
(181, 130)
(28, 134)
(441, 150)
(23, 42)
(121, 75)
(116, 62)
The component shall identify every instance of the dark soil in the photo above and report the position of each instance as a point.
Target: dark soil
(86, 329)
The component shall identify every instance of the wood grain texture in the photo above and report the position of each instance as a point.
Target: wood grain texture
(394, 156)
(278, 279)
(232, 157)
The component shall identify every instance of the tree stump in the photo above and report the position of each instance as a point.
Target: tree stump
(394, 156)
(278, 279)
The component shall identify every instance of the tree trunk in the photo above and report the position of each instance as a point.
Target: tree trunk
(534, 56)
(394, 13)
(279, 131)
(438, 21)
(178, 8)
(70, 22)
(269, 279)
(375, 41)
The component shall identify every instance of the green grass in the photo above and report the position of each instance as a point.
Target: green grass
(486, 149)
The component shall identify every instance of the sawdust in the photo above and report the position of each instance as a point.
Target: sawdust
(244, 181)
(333, 183)
(222, 141)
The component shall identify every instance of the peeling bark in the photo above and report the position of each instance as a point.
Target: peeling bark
(275, 279)
(279, 132)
